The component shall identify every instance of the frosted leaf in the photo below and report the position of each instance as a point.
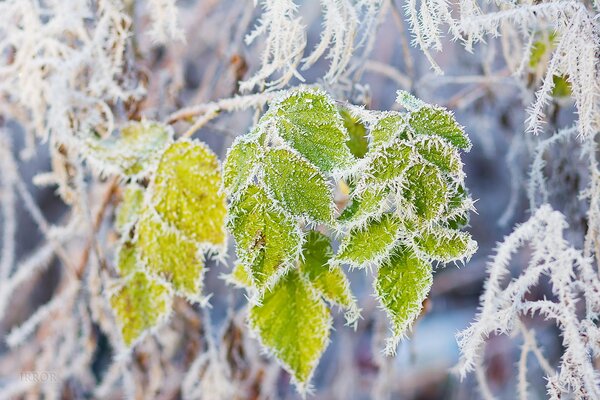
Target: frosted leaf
(426, 191)
(445, 245)
(440, 154)
(140, 304)
(134, 151)
(127, 261)
(310, 122)
(268, 241)
(295, 183)
(328, 279)
(371, 202)
(369, 243)
(168, 255)
(293, 323)
(403, 282)
(241, 162)
(387, 164)
(437, 121)
(389, 127)
(240, 276)
(130, 207)
(358, 142)
(186, 194)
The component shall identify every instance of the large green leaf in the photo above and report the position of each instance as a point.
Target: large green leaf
(186, 192)
(371, 242)
(294, 324)
(391, 125)
(402, 284)
(310, 122)
(295, 183)
(268, 241)
(140, 304)
(327, 277)
(388, 164)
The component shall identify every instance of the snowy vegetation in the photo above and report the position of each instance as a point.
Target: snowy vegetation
(312, 186)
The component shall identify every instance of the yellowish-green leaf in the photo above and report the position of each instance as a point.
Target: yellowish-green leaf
(297, 185)
(139, 305)
(293, 323)
(310, 122)
(186, 192)
(402, 284)
(129, 210)
(167, 254)
(240, 276)
(328, 278)
(440, 154)
(369, 243)
(562, 87)
(134, 151)
(127, 262)
(268, 241)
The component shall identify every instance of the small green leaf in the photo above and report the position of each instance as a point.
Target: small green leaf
(445, 245)
(562, 87)
(369, 243)
(310, 122)
(242, 159)
(358, 142)
(240, 276)
(186, 192)
(389, 127)
(426, 191)
(440, 154)
(169, 256)
(139, 305)
(371, 202)
(294, 324)
(387, 164)
(268, 241)
(298, 185)
(130, 207)
(327, 278)
(403, 283)
(134, 151)
(437, 121)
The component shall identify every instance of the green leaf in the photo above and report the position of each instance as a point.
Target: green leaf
(168, 255)
(371, 202)
(242, 159)
(387, 164)
(298, 185)
(268, 241)
(240, 276)
(310, 122)
(436, 121)
(426, 191)
(294, 324)
(134, 151)
(445, 245)
(130, 207)
(390, 126)
(358, 142)
(403, 282)
(139, 305)
(440, 154)
(186, 192)
(562, 87)
(369, 243)
(329, 280)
